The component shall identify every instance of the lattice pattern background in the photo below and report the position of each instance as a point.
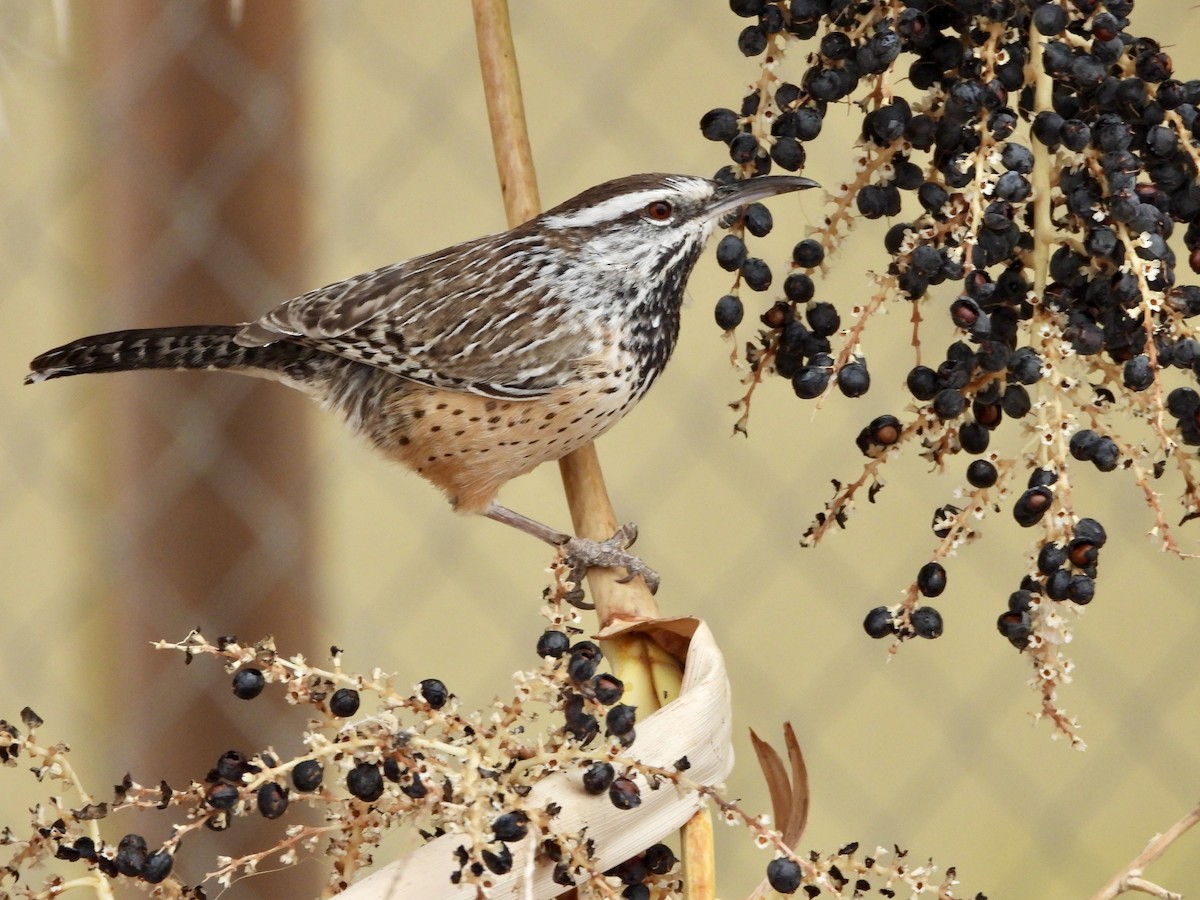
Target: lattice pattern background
(381, 125)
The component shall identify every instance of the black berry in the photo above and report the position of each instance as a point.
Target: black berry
(923, 383)
(607, 688)
(784, 875)
(731, 252)
(619, 720)
(434, 692)
(344, 702)
(131, 855)
(756, 273)
(158, 867)
(272, 800)
(808, 254)
(553, 643)
(598, 777)
(948, 404)
(823, 319)
(1032, 505)
(307, 775)
(365, 782)
(659, 859)
(512, 826)
(1081, 590)
(853, 379)
(728, 314)
(1015, 627)
(624, 794)
(926, 622)
(981, 474)
(1050, 558)
(758, 220)
(248, 683)
(931, 580)
(584, 660)
(798, 287)
(879, 623)
(1138, 374)
(719, 125)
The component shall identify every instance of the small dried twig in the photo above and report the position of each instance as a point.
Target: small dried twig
(1130, 878)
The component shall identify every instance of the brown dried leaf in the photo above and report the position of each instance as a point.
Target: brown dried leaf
(775, 775)
(789, 794)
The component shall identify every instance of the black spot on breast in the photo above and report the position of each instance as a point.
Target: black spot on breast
(418, 414)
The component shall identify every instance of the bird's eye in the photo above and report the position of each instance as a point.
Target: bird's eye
(659, 210)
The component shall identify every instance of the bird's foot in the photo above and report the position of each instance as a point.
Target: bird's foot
(583, 554)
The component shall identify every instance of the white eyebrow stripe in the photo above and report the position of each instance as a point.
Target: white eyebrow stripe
(606, 211)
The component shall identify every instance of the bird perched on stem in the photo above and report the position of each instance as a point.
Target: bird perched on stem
(474, 364)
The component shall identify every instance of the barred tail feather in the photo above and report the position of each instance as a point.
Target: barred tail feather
(186, 347)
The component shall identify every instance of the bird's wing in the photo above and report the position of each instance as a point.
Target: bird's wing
(475, 317)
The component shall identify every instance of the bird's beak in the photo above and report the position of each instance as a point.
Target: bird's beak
(729, 197)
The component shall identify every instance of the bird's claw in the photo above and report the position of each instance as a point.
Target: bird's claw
(583, 554)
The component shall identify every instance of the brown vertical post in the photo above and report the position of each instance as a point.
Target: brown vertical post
(203, 223)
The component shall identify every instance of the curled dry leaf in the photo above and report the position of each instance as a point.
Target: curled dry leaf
(697, 725)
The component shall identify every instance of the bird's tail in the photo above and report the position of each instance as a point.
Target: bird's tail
(187, 347)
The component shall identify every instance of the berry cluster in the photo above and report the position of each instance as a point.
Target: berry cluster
(414, 760)
(1041, 178)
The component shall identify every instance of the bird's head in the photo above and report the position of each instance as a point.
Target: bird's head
(654, 224)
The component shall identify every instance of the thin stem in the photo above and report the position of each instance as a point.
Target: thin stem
(1130, 877)
(1043, 227)
(583, 480)
(506, 110)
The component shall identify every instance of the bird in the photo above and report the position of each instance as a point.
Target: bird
(473, 364)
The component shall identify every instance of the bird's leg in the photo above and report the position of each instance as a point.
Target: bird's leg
(583, 553)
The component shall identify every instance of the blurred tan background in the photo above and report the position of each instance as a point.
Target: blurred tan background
(137, 507)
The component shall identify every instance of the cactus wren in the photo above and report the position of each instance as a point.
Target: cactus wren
(474, 364)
